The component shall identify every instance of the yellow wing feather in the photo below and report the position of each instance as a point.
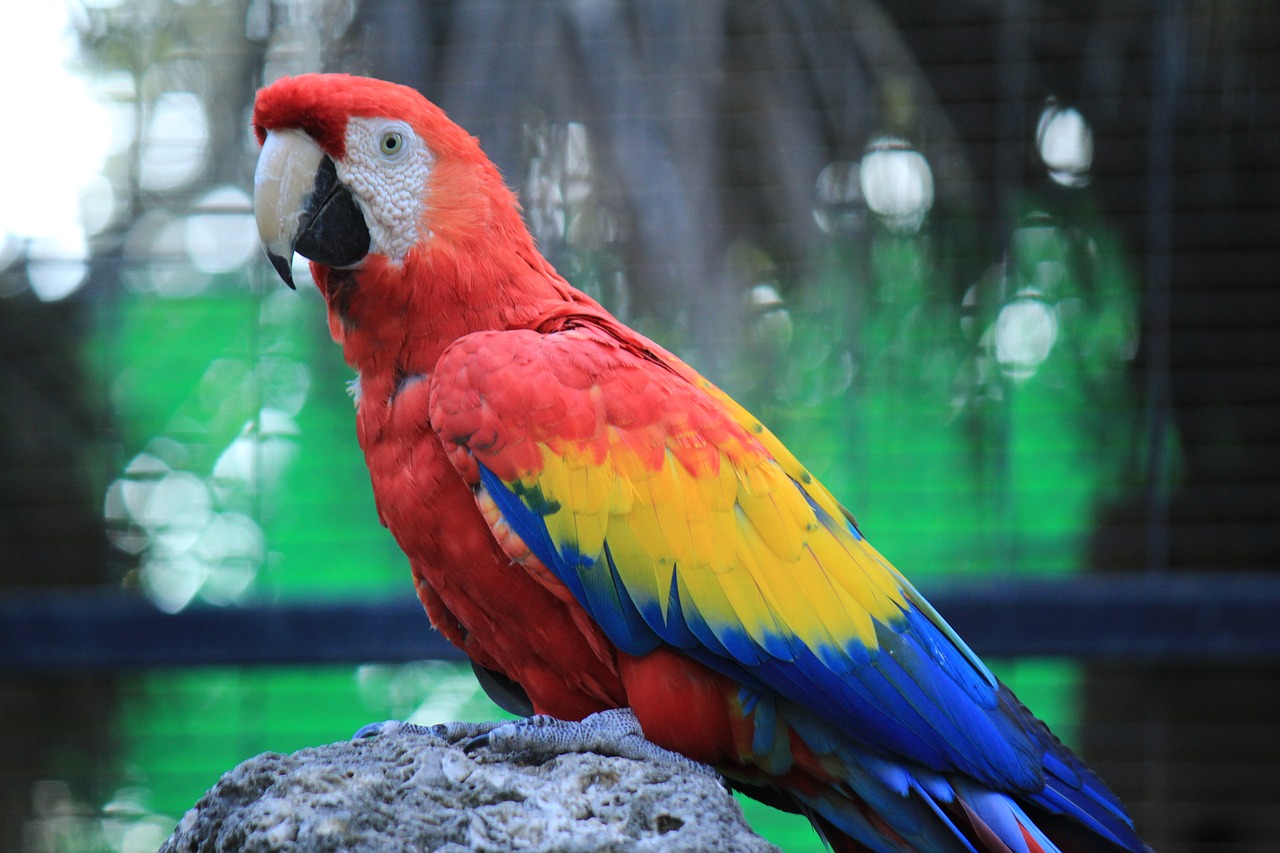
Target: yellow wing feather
(747, 548)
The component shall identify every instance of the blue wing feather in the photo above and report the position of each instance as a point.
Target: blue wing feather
(918, 695)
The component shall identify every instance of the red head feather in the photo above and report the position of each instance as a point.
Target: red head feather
(469, 200)
(321, 104)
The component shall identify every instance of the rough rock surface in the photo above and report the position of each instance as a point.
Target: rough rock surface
(407, 790)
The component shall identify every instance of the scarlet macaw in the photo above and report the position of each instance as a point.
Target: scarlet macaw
(599, 527)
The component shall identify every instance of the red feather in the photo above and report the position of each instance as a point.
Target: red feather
(436, 337)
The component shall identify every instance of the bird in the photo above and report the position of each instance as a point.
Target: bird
(614, 542)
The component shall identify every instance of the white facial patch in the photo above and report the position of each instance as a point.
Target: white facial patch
(386, 169)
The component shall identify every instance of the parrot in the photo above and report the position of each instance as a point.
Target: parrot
(612, 540)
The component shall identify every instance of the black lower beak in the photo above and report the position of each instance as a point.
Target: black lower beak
(332, 231)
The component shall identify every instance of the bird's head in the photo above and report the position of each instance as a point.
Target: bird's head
(353, 168)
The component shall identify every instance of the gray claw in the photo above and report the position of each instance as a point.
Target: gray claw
(372, 730)
(386, 727)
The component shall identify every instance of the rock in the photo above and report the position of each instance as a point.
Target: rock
(410, 789)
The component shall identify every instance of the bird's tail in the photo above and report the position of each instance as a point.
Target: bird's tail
(955, 816)
(861, 801)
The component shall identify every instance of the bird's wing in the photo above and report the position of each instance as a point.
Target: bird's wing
(676, 518)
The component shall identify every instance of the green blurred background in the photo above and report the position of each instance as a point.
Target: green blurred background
(1001, 273)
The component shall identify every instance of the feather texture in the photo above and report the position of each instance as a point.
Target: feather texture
(677, 520)
(599, 526)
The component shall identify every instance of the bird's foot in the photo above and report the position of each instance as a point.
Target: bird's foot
(387, 727)
(615, 733)
(451, 733)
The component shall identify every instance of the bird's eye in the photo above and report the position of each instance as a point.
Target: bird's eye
(391, 143)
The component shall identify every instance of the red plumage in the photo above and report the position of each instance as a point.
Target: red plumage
(467, 282)
(478, 364)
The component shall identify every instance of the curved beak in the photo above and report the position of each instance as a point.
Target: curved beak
(301, 206)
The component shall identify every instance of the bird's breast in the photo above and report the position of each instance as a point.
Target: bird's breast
(510, 619)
